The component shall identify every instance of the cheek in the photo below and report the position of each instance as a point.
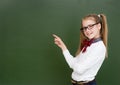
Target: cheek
(96, 31)
(85, 33)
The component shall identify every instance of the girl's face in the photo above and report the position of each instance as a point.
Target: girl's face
(91, 29)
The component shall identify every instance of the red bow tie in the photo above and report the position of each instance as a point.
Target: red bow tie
(86, 43)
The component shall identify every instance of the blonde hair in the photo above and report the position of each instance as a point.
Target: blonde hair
(101, 18)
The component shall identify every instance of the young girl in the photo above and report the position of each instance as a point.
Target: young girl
(91, 51)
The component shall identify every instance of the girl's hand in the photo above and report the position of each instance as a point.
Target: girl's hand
(59, 42)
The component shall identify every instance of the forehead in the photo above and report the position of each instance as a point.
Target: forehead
(86, 22)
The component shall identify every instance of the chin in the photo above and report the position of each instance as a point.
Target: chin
(90, 37)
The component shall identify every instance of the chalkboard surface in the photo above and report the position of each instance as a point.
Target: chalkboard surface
(28, 55)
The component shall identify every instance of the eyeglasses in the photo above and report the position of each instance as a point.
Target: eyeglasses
(88, 27)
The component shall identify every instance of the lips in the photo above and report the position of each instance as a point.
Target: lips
(88, 34)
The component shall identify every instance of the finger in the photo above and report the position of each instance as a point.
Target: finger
(55, 36)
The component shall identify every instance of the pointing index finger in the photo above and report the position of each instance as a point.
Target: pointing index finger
(55, 36)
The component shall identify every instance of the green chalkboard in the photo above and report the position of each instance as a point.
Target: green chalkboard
(28, 55)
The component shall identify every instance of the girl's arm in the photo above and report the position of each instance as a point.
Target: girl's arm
(69, 58)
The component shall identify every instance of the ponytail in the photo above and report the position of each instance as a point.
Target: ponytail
(104, 31)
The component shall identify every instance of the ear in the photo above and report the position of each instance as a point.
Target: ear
(99, 26)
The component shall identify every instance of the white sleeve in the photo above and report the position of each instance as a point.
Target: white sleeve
(69, 58)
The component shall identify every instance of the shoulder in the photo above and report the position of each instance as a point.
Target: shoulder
(98, 46)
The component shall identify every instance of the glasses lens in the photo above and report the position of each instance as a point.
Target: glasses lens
(88, 27)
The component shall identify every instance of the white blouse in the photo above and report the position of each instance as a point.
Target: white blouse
(86, 65)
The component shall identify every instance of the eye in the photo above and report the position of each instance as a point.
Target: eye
(83, 28)
(91, 25)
